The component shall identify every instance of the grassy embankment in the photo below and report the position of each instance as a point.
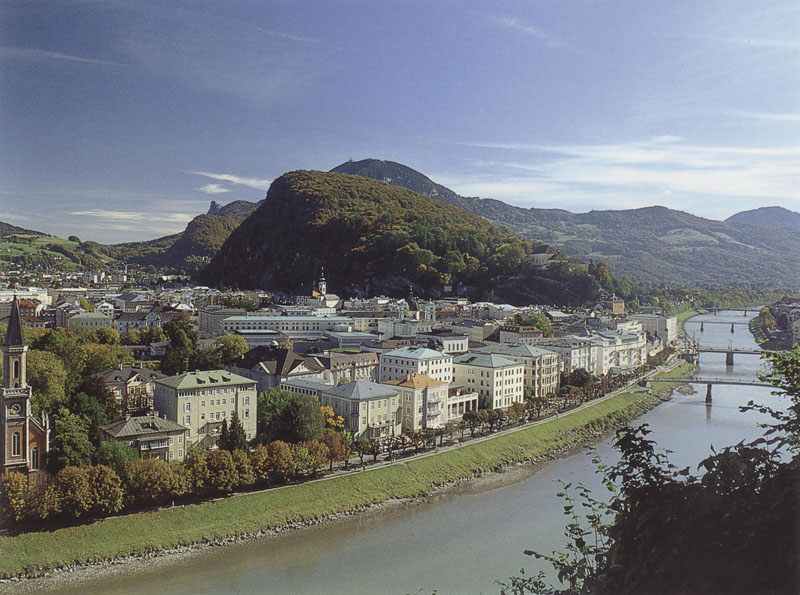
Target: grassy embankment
(684, 316)
(32, 553)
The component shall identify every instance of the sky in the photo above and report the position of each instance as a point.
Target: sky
(120, 121)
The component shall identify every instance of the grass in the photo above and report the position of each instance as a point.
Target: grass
(34, 553)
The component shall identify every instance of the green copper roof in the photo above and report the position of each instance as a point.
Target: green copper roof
(204, 379)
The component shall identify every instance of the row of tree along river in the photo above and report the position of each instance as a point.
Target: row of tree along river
(464, 540)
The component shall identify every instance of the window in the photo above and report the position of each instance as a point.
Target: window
(171, 440)
(223, 401)
(202, 416)
(247, 413)
(15, 444)
(202, 403)
(187, 419)
(180, 452)
(171, 455)
(247, 400)
(187, 406)
(35, 457)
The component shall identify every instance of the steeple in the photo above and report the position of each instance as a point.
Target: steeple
(322, 285)
(14, 337)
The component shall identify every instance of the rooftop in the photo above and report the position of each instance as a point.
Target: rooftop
(361, 390)
(412, 352)
(415, 381)
(141, 426)
(484, 360)
(204, 379)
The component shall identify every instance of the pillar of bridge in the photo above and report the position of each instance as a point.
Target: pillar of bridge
(729, 358)
(732, 326)
(701, 326)
(708, 393)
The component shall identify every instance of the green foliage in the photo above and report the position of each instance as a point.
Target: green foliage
(538, 320)
(233, 436)
(13, 496)
(105, 490)
(47, 377)
(113, 454)
(300, 420)
(222, 471)
(99, 357)
(74, 491)
(70, 444)
(230, 347)
(68, 348)
(270, 405)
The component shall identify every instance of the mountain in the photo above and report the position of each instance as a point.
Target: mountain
(768, 217)
(652, 244)
(189, 250)
(370, 237)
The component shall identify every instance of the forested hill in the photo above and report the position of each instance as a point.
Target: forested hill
(371, 237)
(768, 217)
(652, 244)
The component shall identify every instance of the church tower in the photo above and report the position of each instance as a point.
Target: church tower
(25, 440)
(322, 285)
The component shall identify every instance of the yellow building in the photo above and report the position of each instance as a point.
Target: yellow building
(151, 436)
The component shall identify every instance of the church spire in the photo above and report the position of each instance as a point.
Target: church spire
(14, 336)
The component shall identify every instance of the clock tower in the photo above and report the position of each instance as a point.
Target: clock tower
(25, 440)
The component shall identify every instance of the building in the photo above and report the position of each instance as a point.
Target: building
(347, 367)
(423, 401)
(574, 353)
(89, 321)
(403, 361)
(132, 386)
(369, 409)
(151, 436)
(542, 368)
(476, 330)
(446, 341)
(270, 365)
(614, 305)
(460, 400)
(25, 439)
(527, 335)
(201, 401)
(663, 327)
(294, 327)
(494, 377)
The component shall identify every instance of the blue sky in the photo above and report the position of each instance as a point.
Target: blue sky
(122, 120)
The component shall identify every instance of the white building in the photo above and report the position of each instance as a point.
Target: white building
(663, 327)
(295, 327)
(403, 361)
(542, 367)
(500, 379)
(423, 401)
(201, 401)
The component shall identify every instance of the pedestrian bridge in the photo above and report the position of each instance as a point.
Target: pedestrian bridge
(711, 381)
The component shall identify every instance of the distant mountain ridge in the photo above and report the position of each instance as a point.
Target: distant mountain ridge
(651, 244)
(768, 217)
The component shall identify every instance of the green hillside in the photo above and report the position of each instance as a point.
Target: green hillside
(371, 238)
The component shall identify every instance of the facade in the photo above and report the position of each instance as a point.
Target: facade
(476, 330)
(89, 321)
(270, 365)
(423, 401)
(574, 353)
(201, 401)
(295, 327)
(448, 342)
(542, 368)
(151, 436)
(369, 409)
(495, 377)
(527, 335)
(132, 386)
(403, 361)
(339, 368)
(25, 439)
(663, 327)
(460, 400)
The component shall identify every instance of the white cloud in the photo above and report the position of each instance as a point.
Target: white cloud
(768, 116)
(257, 183)
(134, 216)
(702, 179)
(213, 189)
(529, 30)
(36, 54)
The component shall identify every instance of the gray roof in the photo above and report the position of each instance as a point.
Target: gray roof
(515, 349)
(204, 379)
(484, 360)
(361, 390)
(14, 336)
(125, 373)
(145, 425)
(411, 352)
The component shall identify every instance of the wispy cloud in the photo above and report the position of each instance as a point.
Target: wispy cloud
(703, 179)
(768, 116)
(134, 216)
(38, 55)
(257, 183)
(213, 189)
(535, 32)
(283, 35)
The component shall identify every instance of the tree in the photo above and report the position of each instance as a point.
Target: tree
(336, 448)
(105, 490)
(318, 455)
(132, 336)
(14, 496)
(222, 476)
(74, 492)
(104, 335)
(259, 461)
(67, 347)
(579, 378)
(97, 389)
(244, 469)
(112, 454)
(70, 444)
(301, 419)
(48, 378)
(230, 347)
(301, 457)
(179, 352)
(281, 460)
(270, 405)
(196, 465)
(205, 359)
(99, 357)
(90, 410)
(233, 436)
(146, 482)
(332, 419)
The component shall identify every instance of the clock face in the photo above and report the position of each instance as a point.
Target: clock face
(16, 408)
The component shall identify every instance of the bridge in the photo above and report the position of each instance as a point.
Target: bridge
(729, 352)
(711, 381)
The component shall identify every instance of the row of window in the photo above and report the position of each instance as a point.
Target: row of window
(16, 450)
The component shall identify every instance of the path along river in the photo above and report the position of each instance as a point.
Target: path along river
(464, 540)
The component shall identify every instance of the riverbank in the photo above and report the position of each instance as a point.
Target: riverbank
(144, 535)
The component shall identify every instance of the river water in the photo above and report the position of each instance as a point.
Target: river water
(462, 541)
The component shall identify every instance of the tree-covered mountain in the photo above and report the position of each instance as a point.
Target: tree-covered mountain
(189, 250)
(370, 237)
(768, 217)
(652, 244)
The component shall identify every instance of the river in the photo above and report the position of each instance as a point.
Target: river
(464, 540)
